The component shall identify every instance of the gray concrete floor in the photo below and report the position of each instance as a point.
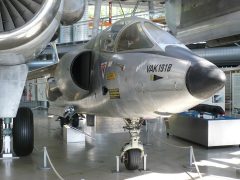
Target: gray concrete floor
(96, 158)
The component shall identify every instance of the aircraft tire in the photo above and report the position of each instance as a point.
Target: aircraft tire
(23, 132)
(62, 121)
(1, 135)
(132, 159)
(75, 120)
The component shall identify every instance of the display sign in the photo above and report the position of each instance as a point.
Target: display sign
(30, 90)
(218, 99)
(41, 89)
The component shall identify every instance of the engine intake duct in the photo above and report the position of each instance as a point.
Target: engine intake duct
(73, 75)
(16, 13)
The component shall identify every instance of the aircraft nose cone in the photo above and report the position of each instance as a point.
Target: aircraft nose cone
(203, 80)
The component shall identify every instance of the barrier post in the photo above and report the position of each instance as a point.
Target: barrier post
(45, 167)
(191, 157)
(117, 163)
(145, 162)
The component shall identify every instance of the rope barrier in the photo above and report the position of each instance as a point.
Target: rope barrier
(173, 145)
(46, 155)
(192, 155)
(50, 162)
(38, 107)
(195, 163)
(37, 149)
(82, 132)
(192, 159)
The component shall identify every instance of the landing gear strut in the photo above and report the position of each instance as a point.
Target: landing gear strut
(7, 132)
(133, 152)
(1, 135)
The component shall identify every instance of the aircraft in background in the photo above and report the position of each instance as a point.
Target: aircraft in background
(133, 70)
(26, 27)
(215, 22)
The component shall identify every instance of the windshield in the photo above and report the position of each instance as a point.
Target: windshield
(133, 37)
(161, 37)
(109, 35)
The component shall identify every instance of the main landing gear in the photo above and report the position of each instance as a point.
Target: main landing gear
(22, 133)
(133, 152)
(71, 117)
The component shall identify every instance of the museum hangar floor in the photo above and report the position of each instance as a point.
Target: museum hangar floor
(95, 159)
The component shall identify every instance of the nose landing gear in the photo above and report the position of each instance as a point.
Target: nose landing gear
(133, 152)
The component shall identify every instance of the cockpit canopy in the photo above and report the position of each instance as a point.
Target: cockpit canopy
(135, 33)
(133, 37)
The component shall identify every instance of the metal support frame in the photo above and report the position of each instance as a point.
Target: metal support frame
(110, 11)
(55, 52)
(120, 4)
(96, 21)
(135, 8)
(151, 9)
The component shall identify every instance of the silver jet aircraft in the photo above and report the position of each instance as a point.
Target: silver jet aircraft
(136, 71)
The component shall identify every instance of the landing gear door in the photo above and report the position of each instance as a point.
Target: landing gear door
(12, 80)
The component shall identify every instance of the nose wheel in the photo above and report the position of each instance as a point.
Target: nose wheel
(132, 159)
(133, 152)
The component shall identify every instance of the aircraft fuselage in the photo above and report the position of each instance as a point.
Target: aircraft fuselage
(147, 82)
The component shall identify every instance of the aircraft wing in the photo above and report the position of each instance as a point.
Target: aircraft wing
(41, 72)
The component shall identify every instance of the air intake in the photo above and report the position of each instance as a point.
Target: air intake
(16, 13)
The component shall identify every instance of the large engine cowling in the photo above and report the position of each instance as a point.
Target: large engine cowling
(72, 77)
(73, 11)
(26, 27)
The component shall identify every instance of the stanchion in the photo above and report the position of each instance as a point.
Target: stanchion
(117, 163)
(45, 166)
(191, 157)
(145, 162)
(45, 158)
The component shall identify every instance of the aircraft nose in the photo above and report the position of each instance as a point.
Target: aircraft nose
(204, 79)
